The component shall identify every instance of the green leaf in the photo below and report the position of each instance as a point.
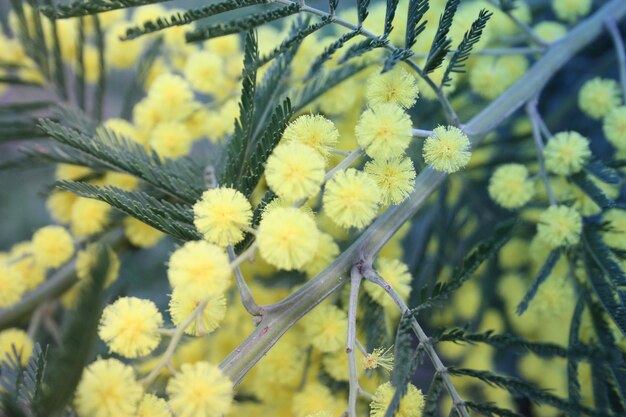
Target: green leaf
(395, 57)
(57, 69)
(66, 362)
(573, 386)
(414, 25)
(330, 50)
(84, 8)
(602, 255)
(483, 251)
(441, 43)
(390, 13)
(592, 190)
(21, 385)
(79, 73)
(135, 88)
(432, 398)
(363, 47)
(170, 218)
(602, 172)
(188, 16)
(361, 8)
(98, 95)
(543, 274)
(470, 39)
(489, 410)
(240, 25)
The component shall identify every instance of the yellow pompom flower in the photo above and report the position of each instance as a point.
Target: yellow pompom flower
(172, 95)
(59, 205)
(201, 268)
(510, 187)
(351, 198)
(200, 390)
(71, 172)
(15, 339)
(52, 246)
(614, 127)
(379, 358)
(89, 216)
(287, 237)
(221, 215)
(184, 302)
(121, 54)
(171, 139)
(313, 130)
(315, 398)
(615, 232)
(598, 97)
(130, 327)
(108, 388)
(411, 405)
(140, 234)
(85, 260)
(204, 71)
(153, 406)
(571, 10)
(294, 171)
(326, 328)
(12, 285)
(447, 149)
(559, 226)
(491, 75)
(396, 274)
(384, 131)
(325, 253)
(394, 87)
(550, 31)
(566, 153)
(395, 178)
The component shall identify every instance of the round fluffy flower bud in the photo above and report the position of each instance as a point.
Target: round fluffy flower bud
(571, 10)
(395, 178)
(614, 127)
(550, 31)
(204, 71)
(287, 237)
(130, 327)
(52, 246)
(394, 87)
(184, 302)
(598, 97)
(221, 215)
(295, 171)
(313, 130)
(384, 131)
(510, 187)
(326, 328)
(153, 406)
(351, 198)
(200, 390)
(559, 226)
(12, 285)
(411, 405)
(447, 149)
(566, 153)
(200, 267)
(108, 388)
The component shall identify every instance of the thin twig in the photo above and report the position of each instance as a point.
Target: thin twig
(611, 25)
(345, 163)
(355, 284)
(247, 299)
(420, 133)
(531, 110)
(457, 401)
(174, 341)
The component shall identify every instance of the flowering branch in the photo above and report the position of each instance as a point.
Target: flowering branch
(247, 299)
(355, 284)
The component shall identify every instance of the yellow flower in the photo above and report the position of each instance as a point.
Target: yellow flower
(140, 234)
(598, 97)
(313, 130)
(395, 178)
(130, 327)
(614, 127)
(15, 339)
(184, 302)
(294, 171)
(171, 139)
(326, 328)
(172, 95)
(550, 31)
(315, 398)
(59, 205)
(108, 389)
(380, 357)
(200, 390)
(566, 153)
(325, 253)
(559, 226)
(396, 274)
(411, 405)
(52, 246)
(351, 198)
(121, 54)
(395, 87)
(89, 216)
(447, 149)
(491, 75)
(204, 71)
(153, 406)
(287, 237)
(384, 131)
(221, 215)
(571, 10)
(201, 268)
(31, 271)
(85, 260)
(12, 286)
(510, 187)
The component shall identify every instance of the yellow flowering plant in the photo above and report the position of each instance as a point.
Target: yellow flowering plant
(308, 209)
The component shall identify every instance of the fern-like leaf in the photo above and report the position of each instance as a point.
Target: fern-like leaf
(84, 8)
(330, 50)
(592, 190)
(414, 24)
(602, 172)
(441, 43)
(362, 7)
(543, 274)
(390, 13)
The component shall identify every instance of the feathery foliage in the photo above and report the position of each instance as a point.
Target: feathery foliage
(84, 8)
(592, 190)
(441, 43)
(330, 50)
(543, 274)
